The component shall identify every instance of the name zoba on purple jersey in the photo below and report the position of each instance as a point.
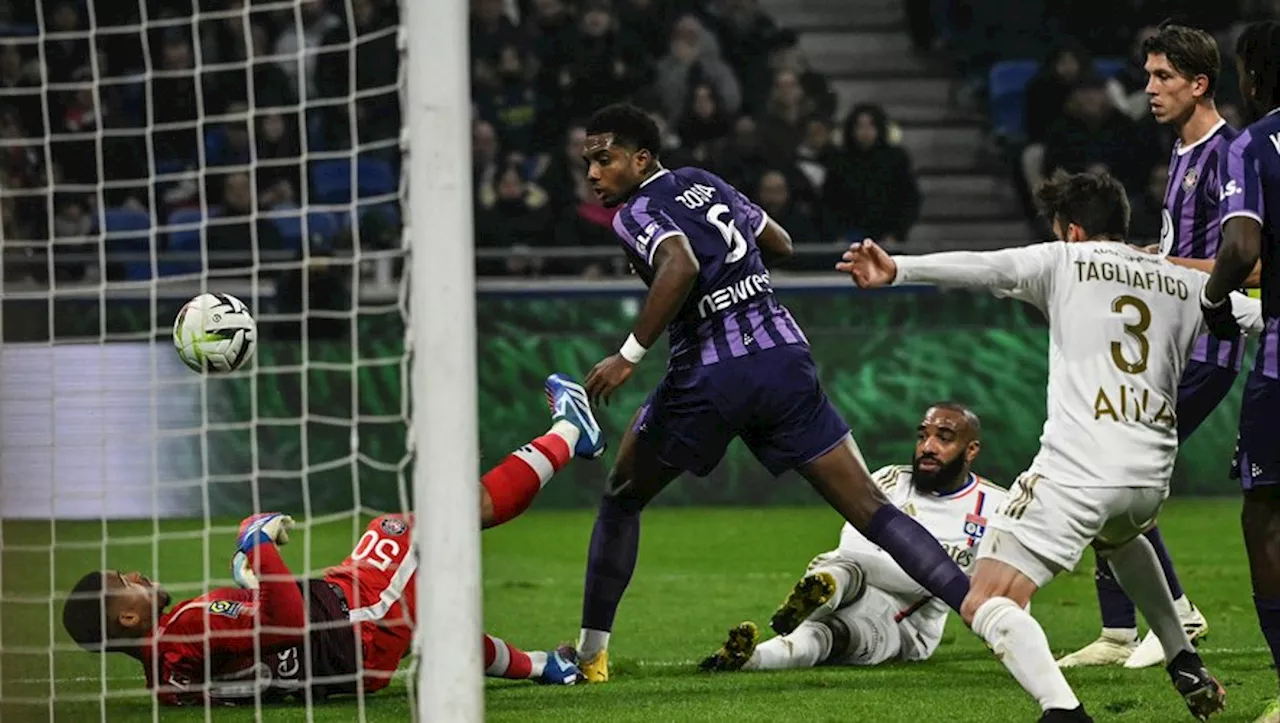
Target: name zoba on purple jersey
(731, 311)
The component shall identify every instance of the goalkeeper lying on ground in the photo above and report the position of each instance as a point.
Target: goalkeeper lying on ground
(350, 627)
(855, 605)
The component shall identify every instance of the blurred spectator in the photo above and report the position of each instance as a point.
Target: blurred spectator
(1048, 90)
(674, 154)
(72, 224)
(1146, 218)
(484, 156)
(785, 54)
(704, 122)
(871, 187)
(815, 156)
(236, 231)
(174, 100)
(1046, 96)
(651, 21)
(782, 124)
(773, 193)
(511, 102)
(491, 31)
(300, 39)
(740, 159)
(278, 168)
(514, 214)
(229, 144)
(605, 64)
(272, 86)
(693, 57)
(581, 219)
(746, 35)
(377, 62)
(19, 86)
(1128, 89)
(65, 55)
(1092, 135)
(550, 29)
(565, 179)
(72, 144)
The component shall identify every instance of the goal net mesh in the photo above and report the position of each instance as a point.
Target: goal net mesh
(152, 150)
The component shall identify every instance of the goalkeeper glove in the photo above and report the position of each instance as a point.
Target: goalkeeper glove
(265, 527)
(1218, 317)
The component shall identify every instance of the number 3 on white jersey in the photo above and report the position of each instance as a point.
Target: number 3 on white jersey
(384, 550)
(729, 230)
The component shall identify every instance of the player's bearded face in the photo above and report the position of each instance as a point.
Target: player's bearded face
(930, 471)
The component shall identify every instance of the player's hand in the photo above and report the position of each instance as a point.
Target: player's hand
(265, 527)
(1219, 319)
(606, 377)
(868, 265)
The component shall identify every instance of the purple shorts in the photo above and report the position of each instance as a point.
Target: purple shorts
(1257, 459)
(1202, 388)
(771, 399)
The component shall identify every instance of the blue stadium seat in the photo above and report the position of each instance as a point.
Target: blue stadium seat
(127, 230)
(18, 30)
(1109, 67)
(185, 240)
(319, 226)
(1007, 85)
(331, 180)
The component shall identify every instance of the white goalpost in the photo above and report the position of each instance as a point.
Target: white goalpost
(442, 327)
(245, 147)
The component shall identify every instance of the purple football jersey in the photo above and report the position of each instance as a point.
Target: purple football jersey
(1251, 178)
(1189, 222)
(731, 311)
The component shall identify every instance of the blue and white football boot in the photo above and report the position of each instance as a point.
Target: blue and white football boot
(568, 401)
(561, 667)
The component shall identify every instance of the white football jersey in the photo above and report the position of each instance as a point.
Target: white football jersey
(1122, 324)
(958, 520)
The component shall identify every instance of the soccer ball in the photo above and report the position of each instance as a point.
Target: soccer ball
(215, 333)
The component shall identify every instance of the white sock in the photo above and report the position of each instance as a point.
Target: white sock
(806, 647)
(1183, 606)
(849, 583)
(566, 431)
(592, 642)
(538, 658)
(1138, 571)
(1019, 642)
(1129, 635)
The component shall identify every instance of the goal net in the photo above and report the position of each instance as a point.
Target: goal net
(152, 151)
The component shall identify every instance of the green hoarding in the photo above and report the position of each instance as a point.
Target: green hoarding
(883, 358)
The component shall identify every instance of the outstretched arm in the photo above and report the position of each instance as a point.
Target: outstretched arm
(1017, 269)
(1237, 261)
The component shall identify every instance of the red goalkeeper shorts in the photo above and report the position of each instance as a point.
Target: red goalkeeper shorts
(378, 579)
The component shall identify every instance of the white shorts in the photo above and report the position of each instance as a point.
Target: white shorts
(1042, 528)
(877, 633)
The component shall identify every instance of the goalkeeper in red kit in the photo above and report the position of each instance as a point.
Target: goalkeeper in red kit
(276, 636)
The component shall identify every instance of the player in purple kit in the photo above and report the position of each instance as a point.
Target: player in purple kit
(1251, 231)
(740, 367)
(1182, 67)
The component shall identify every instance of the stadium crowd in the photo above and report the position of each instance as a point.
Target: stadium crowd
(246, 117)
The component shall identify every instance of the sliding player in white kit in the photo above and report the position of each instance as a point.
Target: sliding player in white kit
(855, 605)
(1122, 324)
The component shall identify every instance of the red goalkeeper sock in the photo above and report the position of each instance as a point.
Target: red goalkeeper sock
(503, 660)
(516, 480)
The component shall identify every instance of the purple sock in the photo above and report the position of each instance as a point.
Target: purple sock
(1166, 564)
(1269, 620)
(919, 554)
(615, 544)
(1116, 607)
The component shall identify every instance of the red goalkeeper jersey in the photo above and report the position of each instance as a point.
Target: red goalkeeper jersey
(206, 646)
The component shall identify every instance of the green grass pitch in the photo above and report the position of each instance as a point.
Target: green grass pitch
(701, 571)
